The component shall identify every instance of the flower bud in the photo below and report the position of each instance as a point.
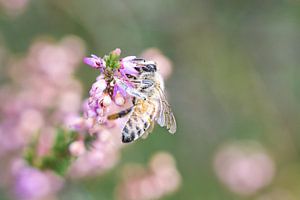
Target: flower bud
(98, 87)
(106, 100)
(101, 84)
(94, 61)
(77, 148)
(119, 99)
(116, 52)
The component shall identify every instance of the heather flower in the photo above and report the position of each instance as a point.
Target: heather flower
(31, 183)
(77, 148)
(161, 179)
(14, 8)
(128, 65)
(109, 89)
(244, 168)
(36, 99)
(95, 62)
(102, 155)
(42, 118)
(41, 97)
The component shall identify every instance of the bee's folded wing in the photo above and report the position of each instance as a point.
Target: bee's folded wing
(166, 116)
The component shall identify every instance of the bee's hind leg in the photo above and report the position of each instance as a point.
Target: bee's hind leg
(120, 114)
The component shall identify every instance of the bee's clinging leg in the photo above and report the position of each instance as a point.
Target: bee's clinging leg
(130, 90)
(120, 114)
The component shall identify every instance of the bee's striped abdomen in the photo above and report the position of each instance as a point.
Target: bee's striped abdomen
(139, 121)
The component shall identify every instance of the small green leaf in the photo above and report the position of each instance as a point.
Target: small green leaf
(58, 159)
(88, 141)
(112, 61)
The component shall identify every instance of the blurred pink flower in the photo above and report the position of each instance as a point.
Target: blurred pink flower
(14, 7)
(101, 156)
(244, 167)
(160, 179)
(32, 184)
(56, 61)
(46, 140)
(77, 148)
(43, 81)
(41, 96)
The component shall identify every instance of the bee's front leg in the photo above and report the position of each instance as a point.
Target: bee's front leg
(130, 90)
(143, 85)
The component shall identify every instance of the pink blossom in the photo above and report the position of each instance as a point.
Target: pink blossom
(98, 88)
(110, 88)
(141, 184)
(14, 7)
(244, 167)
(95, 62)
(77, 148)
(128, 65)
(42, 96)
(31, 184)
(117, 52)
(102, 155)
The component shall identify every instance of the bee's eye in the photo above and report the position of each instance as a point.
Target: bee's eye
(153, 67)
(150, 68)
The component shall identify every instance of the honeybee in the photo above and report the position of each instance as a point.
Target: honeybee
(149, 103)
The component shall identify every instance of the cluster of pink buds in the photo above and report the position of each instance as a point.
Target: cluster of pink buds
(44, 138)
(106, 94)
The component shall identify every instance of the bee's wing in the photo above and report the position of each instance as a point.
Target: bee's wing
(139, 121)
(165, 115)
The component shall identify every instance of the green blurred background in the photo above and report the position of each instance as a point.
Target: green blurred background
(235, 77)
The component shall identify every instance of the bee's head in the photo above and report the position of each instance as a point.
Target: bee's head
(150, 67)
(145, 66)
